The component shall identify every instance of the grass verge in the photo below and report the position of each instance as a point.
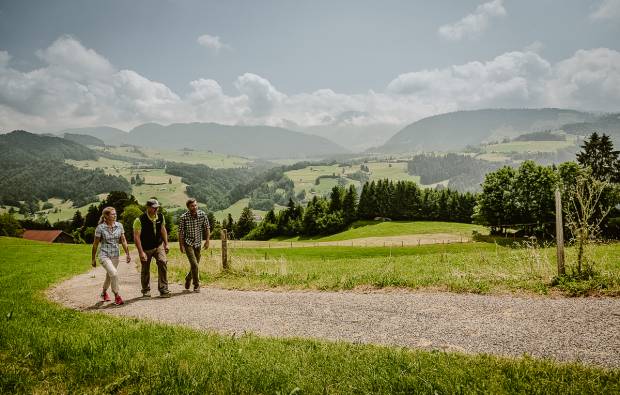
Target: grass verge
(468, 267)
(45, 348)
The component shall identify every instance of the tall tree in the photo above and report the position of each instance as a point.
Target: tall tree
(349, 205)
(599, 155)
(78, 221)
(245, 223)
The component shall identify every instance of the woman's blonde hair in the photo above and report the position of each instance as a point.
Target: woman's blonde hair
(105, 213)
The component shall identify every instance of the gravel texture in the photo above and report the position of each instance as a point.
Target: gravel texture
(563, 329)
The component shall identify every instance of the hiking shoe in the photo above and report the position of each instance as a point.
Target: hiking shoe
(118, 300)
(197, 289)
(165, 294)
(105, 296)
(146, 294)
(187, 282)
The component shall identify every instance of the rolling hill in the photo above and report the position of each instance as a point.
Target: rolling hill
(456, 130)
(248, 141)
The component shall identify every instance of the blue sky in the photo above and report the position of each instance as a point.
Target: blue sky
(300, 63)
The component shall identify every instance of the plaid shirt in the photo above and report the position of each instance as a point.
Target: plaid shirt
(192, 228)
(109, 239)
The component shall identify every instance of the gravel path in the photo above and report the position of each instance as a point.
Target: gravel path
(578, 329)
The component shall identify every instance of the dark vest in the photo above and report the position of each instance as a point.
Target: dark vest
(149, 238)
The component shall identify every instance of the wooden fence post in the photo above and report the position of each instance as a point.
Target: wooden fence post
(224, 250)
(559, 232)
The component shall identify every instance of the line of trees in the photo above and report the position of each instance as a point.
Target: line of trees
(401, 200)
(523, 198)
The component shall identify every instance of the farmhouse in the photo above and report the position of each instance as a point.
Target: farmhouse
(50, 236)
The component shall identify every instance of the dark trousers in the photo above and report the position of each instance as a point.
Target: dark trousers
(193, 255)
(162, 270)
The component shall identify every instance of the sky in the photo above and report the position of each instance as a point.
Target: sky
(78, 63)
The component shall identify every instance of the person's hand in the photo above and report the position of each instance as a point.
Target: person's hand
(206, 245)
(143, 256)
(182, 248)
(128, 258)
(94, 263)
(166, 249)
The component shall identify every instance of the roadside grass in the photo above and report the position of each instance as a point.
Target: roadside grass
(362, 229)
(45, 348)
(468, 267)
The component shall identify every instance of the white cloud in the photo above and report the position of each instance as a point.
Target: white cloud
(511, 79)
(5, 58)
(79, 87)
(474, 23)
(212, 42)
(262, 96)
(608, 9)
(589, 79)
(535, 46)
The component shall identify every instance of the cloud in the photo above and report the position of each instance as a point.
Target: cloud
(511, 79)
(473, 24)
(608, 9)
(212, 42)
(588, 79)
(5, 58)
(262, 96)
(78, 87)
(81, 87)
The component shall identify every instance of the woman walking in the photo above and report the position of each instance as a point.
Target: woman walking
(109, 233)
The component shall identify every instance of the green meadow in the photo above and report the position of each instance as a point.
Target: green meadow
(362, 229)
(480, 267)
(46, 348)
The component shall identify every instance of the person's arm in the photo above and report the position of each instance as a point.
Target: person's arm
(182, 235)
(94, 252)
(125, 247)
(137, 229)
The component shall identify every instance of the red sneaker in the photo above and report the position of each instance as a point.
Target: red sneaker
(105, 296)
(118, 300)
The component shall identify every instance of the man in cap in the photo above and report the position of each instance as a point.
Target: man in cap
(151, 238)
(193, 228)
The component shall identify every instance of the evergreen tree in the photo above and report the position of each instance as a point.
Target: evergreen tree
(336, 196)
(78, 221)
(349, 205)
(599, 155)
(92, 216)
(246, 223)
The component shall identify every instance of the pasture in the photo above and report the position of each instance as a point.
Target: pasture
(46, 348)
(480, 267)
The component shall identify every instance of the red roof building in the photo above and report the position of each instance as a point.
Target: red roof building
(49, 236)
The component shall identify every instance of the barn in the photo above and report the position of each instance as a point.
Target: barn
(49, 236)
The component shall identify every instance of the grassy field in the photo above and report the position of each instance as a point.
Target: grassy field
(362, 229)
(45, 348)
(528, 146)
(211, 159)
(235, 210)
(305, 178)
(469, 267)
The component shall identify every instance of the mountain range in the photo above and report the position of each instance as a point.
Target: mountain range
(248, 141)
(445, 132)
(456, 130)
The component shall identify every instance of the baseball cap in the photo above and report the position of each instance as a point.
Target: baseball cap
(152, 203)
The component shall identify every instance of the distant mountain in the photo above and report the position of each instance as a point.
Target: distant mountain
(455, 130)
(608, 124)
(249, 141)
(111, 136)
(20, 146)
(84, 139)
(32, 168)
